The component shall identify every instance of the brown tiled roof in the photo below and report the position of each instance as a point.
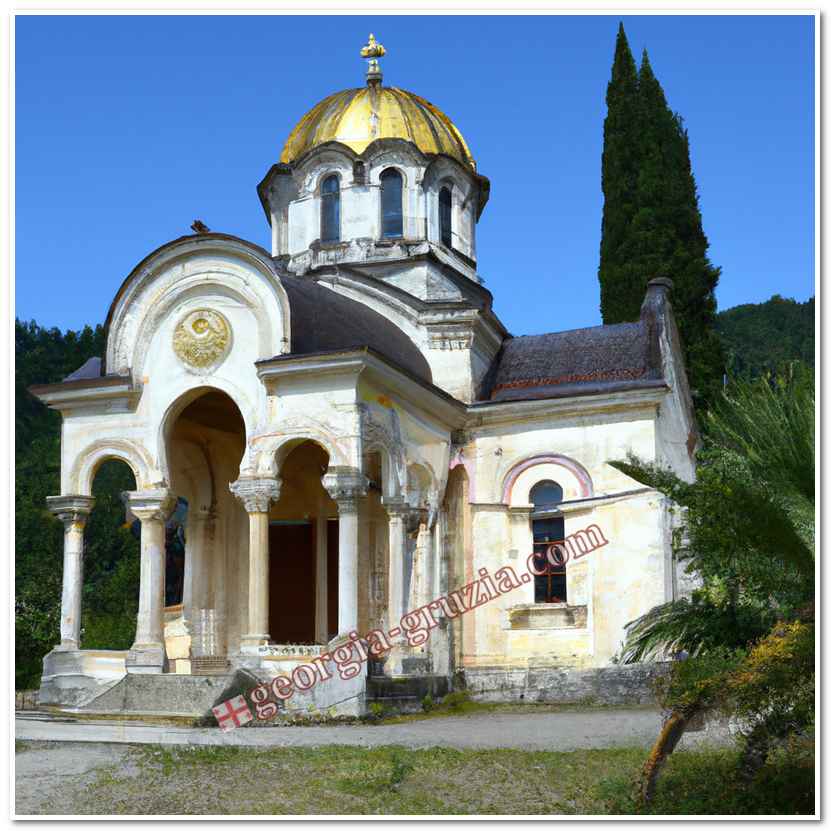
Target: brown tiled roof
(538, 366)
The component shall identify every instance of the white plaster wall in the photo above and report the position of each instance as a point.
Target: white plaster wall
(616, 582)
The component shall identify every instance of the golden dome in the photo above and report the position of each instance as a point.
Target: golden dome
(357, 117)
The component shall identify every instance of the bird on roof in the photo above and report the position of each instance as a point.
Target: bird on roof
(200, 227)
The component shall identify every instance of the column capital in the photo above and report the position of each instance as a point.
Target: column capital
(395, 508)
(151, 505)
(256, 493)
(346, 485)
(70, 508)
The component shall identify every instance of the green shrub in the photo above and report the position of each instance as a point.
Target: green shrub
(456, 700)
(427, 703)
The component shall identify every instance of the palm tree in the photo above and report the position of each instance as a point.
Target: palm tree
(748, 533)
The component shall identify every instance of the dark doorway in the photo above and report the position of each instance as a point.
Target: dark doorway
(291, 582)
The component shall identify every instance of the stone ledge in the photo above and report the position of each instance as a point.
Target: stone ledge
(547, 616)
(616, 684)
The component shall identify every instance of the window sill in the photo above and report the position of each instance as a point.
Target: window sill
(319, 245)
(547, 616)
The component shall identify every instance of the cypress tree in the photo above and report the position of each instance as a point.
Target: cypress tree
(669, 237)
(656, 227)
(619, 276)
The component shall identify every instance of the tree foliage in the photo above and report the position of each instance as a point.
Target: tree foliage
(111, 551)
(759, 337)
(651, 219)
(747, 534)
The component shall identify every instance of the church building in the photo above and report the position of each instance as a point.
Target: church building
(351, 441)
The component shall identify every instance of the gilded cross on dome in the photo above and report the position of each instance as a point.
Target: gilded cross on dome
(372, 51)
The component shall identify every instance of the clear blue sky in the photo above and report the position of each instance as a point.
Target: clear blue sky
(128, 128)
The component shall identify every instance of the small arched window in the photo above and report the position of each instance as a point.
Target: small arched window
(548, 527)
(330, 209)
(446, 217)
(392, 193)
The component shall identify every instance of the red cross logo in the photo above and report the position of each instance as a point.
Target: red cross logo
(232, 713)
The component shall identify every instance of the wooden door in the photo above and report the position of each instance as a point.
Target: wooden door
(291, 582)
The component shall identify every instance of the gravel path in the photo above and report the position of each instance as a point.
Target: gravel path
(56, 758)
(568, 730)
(49, 772)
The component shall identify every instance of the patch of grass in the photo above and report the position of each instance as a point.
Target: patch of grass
(21, 747)
(707, 782)
(397, 780)
(170, 758)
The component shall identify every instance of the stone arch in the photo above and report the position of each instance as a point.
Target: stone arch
(460, 460)
(95, 454)
(181, 400)
(180, 271)
(375, 437)
(191, 289)
(422, 485)
(273, 449)
(570, 474)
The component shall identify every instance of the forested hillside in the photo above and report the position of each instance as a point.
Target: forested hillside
(759, 336)
(111, 561)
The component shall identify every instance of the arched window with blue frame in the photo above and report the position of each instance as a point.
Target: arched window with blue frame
(330, 209)
(392, 196)
(446, 217)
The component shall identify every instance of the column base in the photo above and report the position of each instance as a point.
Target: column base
(399, 659)
(249, 643)
(145, 658)
(67, 645)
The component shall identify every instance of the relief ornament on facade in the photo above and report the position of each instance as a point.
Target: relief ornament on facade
(202, 339)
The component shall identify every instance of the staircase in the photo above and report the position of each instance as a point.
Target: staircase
(162, 695)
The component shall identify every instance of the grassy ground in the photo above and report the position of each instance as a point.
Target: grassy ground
(392, 780)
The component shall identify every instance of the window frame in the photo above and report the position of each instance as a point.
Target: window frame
(447, 188)
(554, 576)
(334, 196)
(403, 180)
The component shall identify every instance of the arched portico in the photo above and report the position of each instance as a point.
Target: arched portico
(83, 469)
(204, 440)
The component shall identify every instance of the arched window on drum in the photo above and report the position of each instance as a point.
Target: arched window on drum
(330, 209)
(392, 203)
(548, 527)
(446, 217)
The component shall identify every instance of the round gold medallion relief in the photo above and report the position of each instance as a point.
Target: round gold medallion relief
(201, 339)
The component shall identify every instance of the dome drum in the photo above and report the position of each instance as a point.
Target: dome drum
(370, 169)
(291, 197)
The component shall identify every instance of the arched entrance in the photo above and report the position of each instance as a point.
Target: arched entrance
(303, 552)
(205, 439)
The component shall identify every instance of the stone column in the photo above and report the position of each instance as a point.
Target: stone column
(347, 486)
(72, 511)
(198, 562)
(428, 589)
(256, 494)
(321, 576)
(397, 523)
(152, 507)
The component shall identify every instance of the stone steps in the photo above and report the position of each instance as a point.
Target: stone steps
(405, 694)
(162, 694)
